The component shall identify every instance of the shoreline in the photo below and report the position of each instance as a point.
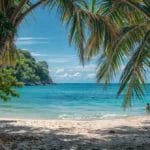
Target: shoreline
(76, 119)
(99, 122)
(124, 133)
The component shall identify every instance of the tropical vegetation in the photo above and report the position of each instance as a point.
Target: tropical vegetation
(30, 72)
(117, 31)
(7, 84)
(26, 72)
(122, 43)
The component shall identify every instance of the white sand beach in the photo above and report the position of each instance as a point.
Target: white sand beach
(132, 133)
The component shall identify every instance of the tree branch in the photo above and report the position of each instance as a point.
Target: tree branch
(19, 19)
(17, 11)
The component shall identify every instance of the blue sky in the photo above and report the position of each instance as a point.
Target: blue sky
(47, 39)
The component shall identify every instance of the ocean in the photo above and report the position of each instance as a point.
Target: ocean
(71, 101)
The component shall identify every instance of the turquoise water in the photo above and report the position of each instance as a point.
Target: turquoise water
(70, 101)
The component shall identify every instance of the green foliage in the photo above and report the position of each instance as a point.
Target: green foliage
(7, 84)
(6, 28)
(29, 71)
(130, 48)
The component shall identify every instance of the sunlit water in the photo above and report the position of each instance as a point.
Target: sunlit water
(71, 101)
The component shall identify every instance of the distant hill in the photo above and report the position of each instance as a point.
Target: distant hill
(31, 72)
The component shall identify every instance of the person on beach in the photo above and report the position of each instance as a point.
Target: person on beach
(148, 107)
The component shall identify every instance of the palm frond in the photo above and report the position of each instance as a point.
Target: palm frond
(132, 17)
(133, 76)
(119, 51)
(122, 12)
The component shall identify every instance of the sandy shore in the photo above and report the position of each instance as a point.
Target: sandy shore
(131, 133)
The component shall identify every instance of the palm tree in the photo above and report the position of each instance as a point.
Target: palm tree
(129, 47)
(13, 12)
(73, 12)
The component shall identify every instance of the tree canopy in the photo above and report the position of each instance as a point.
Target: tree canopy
(26, 72)
(29, 71)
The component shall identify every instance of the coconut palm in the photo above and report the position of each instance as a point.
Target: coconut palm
(73, 12)
(13, 12)
(130, 48)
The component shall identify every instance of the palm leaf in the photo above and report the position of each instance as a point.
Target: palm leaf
(133, 76)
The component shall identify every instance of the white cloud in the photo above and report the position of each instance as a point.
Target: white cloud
(25, 49)
(34, 54)
(57, 60)
(63, 59)
(31, 40)
(77, 74)
(90, 67)
(74, 73)
(66, 75)
(61, 70)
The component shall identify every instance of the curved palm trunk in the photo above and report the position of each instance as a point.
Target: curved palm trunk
(7, 56)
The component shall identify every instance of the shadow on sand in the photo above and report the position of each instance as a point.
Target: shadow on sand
(13, 137)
